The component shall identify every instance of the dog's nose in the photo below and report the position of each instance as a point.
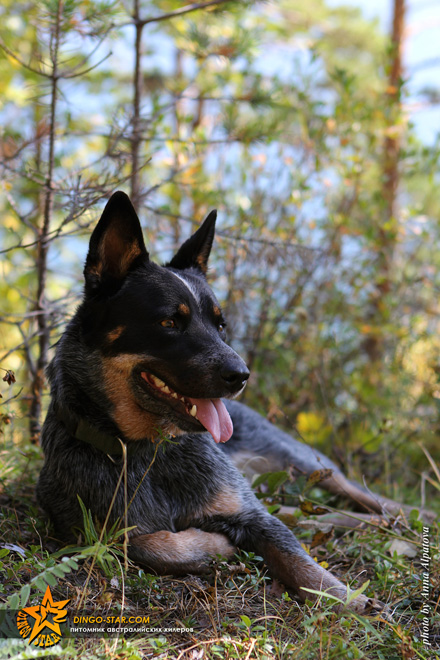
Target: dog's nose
(234, 378)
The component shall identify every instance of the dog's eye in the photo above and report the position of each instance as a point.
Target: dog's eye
(222, 327)
(168, 323)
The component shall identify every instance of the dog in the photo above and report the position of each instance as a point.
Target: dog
(142, 424)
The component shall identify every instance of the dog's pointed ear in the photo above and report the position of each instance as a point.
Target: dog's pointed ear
(194, 253)
(116, 244)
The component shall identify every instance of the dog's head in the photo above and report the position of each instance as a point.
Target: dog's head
(159, 330)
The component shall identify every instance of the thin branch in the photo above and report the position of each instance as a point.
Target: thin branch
(9, 52)
(92, 52)
(22, 218)
(43, 245)
(70, 76)
(11, 398)
(27, 349)
(241, 239)
(180, 12)
(137, 93)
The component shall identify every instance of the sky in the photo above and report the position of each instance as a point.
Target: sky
(421, 54)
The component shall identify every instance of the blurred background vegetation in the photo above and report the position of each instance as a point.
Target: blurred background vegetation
(291, 119)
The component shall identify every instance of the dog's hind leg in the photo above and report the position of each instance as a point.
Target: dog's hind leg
(369, 501)
(257, 446)
(178, 553)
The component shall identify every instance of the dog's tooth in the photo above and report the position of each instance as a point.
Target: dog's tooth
(157, 381)
(193, 411)
(166, 389)
(175, 395)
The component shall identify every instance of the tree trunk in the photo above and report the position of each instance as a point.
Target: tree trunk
(136, 136)
(41, 308)
(387, 230)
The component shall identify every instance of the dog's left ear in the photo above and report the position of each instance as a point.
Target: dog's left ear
(194, 253)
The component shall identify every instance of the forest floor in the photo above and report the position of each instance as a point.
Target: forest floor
(235, 612)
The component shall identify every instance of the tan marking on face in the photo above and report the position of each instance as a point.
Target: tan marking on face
(217, 310)
(133, 421)
(173, 550)
(184, 309)
(227, 501)
(113, 335)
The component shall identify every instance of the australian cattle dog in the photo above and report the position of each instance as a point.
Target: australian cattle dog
(142, 426)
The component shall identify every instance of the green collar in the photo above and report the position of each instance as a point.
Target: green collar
(82, 430)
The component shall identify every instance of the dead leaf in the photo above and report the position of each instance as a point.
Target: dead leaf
(309, 509)
(321, 538)
(9, 377)
(276, 589)
(317, 476)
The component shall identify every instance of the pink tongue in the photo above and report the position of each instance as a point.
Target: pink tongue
(214, 417)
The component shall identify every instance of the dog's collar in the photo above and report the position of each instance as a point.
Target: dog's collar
(82, 430)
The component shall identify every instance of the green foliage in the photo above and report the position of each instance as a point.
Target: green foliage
(53, 572)
(15, 649)
(101, 545)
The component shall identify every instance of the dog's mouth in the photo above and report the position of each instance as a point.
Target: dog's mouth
(210, 414)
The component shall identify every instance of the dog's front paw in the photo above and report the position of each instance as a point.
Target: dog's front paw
(364, 605)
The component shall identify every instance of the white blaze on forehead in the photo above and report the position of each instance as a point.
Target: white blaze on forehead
(188, 286)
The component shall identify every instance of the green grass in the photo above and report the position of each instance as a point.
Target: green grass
(236, 611)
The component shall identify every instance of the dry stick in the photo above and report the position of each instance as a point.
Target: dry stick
(122, 602)
(252, 646)
(431, 460)
(43, 246)
(144, 475)
(125, 544)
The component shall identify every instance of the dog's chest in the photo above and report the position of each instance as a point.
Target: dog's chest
(183, 479)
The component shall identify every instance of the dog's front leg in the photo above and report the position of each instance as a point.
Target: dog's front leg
(290, 564)
(178, 553)
(257, 531)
